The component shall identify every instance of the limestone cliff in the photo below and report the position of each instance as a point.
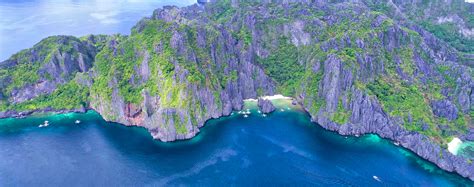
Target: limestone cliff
(356, 66)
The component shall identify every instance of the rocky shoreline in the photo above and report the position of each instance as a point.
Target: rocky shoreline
(46, 111)
(415, 142)
(183, 66)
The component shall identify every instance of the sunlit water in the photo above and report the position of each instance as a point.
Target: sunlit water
(25, 22)
(466, 149)
(283, 148)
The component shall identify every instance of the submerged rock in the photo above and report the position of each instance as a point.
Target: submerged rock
(265, 105)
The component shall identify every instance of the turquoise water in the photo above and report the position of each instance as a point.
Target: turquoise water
(284, 148)
(467, 150)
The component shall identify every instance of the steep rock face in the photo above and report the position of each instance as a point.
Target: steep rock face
(265, 105)
(445, 108)
(41, 78)
(39, 70)
(450, 21)
(373, 93)
(180, 80)
(355, 68)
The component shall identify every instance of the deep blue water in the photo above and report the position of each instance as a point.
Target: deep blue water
(25, 22)
(284, 148)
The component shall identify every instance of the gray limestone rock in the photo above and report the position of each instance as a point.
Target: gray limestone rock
(265, 105)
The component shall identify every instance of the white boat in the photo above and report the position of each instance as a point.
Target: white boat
(77, 122)
(45, 124)
(282, 110)
(264, 115)
(376, 178)
(246, 116)
(396, 143)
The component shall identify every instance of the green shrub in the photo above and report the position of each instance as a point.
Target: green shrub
(282, 65)
(67, 96)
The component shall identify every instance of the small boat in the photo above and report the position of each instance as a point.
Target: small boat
(376, 178)
(45, 124)
(259, 111)
(77, 122)
(396, 143)
(282, 110)
(246, 116)
(264, 115)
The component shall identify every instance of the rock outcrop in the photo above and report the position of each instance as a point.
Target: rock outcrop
(265, 105)
(354, 66)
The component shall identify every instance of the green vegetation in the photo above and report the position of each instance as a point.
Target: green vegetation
(427, 13)
(30, 69)
(399, 98)
(341, 116)
(449, 80)
(311, 84)
(245, 35)
(118, 68)
(181, 58)
(282, 65)
(27, 69)
(449, 33)
(180, 127)
(224, 11)
(406, 57)
(22, 75)
(357, 26)
(67, 96)
(122, 67)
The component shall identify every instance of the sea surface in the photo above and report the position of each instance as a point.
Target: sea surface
(283, 148)
(24, 23)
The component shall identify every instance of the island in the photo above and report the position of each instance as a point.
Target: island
(389, 68)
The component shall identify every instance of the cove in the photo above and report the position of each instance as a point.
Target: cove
(283, 148)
